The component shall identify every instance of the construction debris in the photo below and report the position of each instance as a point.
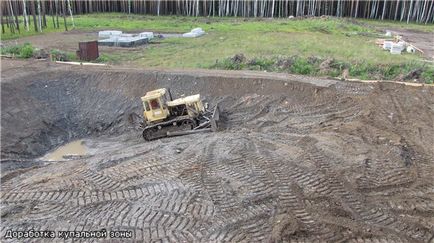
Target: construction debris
(149, 35)
(397, 45)
(397, 48)
(117, 38)
(82, 63)
(196, 32)
(124, 41)
(109, 33)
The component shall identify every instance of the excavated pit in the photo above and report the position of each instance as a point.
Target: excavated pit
(297, 159)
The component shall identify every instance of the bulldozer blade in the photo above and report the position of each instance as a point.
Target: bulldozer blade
(212, 121)
(215, 118)
(216, 113)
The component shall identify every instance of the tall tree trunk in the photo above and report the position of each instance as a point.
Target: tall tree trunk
(56, 2)
(2, 20)
(70, 13)
(26, 17)
(52, 13)
(44, 20)
(15, 16)
(409, 11)
(64, 14)
(10, 23)
(32, 7)
(39, 16)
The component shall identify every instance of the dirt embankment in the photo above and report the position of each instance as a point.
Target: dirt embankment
(298, 159)
(46, 109)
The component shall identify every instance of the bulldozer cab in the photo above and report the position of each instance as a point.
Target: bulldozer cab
(155, 105)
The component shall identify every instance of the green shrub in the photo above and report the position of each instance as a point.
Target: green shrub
(312, 66)
(360, 70)
(12, 50)
(70, 56)
(261, 64)
(26, 51)
(23, 51)
(228, 64)
(392, 72)
(59, 55)
(428, 76)
(103, 58)
(302, 66)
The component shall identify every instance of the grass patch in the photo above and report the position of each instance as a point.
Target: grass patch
(349, 43)
(23, 33)
(26, 50)
(181, 24)
(65, 56)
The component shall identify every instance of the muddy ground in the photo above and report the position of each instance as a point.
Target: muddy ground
(297, 159)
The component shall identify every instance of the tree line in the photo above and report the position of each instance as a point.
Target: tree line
(21, 12)
(421, 11)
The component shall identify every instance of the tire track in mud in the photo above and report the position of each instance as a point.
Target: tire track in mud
(238, 194)
(368, 213)
(275, 174)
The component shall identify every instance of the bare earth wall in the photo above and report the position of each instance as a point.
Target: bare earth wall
(297, 159)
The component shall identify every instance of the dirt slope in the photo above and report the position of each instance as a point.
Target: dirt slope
(296, 160)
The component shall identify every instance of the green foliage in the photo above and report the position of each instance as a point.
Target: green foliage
(59, 55)
(71, 56)
(228, 64)
(302, 66)
(360, 70)
(24, 51)
(428, 76)
(314, 66)
(261, 64)
(103, 58)
(12, 50)
(329, 25)
(392, 71)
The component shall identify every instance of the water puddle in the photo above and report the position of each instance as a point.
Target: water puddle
(72, 149)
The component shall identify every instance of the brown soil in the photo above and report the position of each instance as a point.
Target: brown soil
(66, 41)
(297, 159)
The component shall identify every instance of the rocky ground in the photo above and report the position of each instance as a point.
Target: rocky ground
(297, 159)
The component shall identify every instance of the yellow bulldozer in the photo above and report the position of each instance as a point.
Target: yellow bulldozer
(165, 117)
